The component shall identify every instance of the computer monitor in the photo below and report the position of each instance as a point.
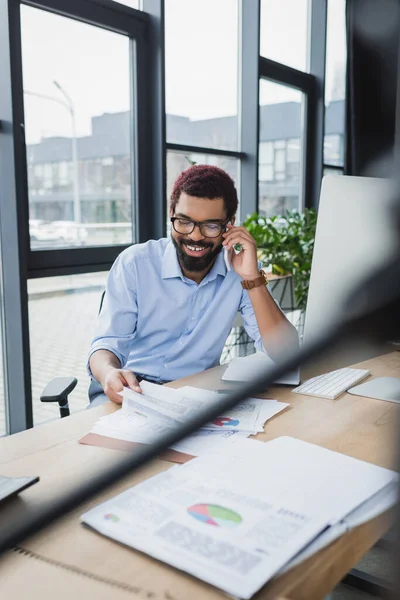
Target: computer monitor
(353, 236)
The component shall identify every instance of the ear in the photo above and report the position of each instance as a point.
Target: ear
(233, 220)
(171, 212)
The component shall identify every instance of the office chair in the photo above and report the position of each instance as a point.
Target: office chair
(59, 388)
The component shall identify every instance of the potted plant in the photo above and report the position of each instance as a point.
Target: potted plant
(285, 245)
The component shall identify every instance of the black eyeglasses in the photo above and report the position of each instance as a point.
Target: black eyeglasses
(207, 228)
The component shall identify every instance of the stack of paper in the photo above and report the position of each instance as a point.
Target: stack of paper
(218, 519)
(145, 417)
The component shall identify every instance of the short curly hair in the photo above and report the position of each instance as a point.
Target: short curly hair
(206, 181)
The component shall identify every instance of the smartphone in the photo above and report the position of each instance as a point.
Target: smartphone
(227, 259)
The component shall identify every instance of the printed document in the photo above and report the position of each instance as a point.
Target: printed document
(145, 417)
(230, 539)
(236, 516)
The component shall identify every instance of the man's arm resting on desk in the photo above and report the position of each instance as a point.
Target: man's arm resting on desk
(106, 368)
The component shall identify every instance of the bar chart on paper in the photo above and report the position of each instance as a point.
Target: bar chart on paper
(212, 514)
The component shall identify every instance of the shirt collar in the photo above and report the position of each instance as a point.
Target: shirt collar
(171, 267)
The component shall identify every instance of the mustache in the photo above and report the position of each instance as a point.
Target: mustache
(198, 244)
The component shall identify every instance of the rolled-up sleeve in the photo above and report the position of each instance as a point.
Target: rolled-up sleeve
(250, 321)
(116, 324)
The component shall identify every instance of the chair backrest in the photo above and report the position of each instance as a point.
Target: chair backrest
(354, 236)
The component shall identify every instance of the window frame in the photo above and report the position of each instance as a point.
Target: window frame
(134, 24)
(19, 261)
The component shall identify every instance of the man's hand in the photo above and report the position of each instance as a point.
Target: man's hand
(115, 380)
(245, 263)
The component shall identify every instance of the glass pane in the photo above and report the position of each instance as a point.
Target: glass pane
(335, 85)
(179, 161)
(77, 120)
(201, 72)
(284, 32)
(281, 129)
(62, 315)
(328, 171)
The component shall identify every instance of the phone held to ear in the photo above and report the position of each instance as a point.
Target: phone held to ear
(227, 259)
(228, 254)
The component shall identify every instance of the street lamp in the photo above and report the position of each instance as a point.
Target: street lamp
(77, 204)
(75, 177)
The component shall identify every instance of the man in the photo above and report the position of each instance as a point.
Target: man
(170, 304)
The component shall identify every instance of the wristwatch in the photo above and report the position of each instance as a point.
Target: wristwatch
(249, 284)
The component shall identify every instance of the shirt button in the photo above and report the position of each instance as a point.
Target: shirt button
(165, 365)
(193, 318)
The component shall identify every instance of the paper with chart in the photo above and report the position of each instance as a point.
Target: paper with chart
(221, 534)
(137, 428)
(158, 410)
(216, 518)
(250, 415)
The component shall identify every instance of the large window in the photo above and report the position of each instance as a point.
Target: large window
(335, 83)
(201, 82)
(284, 32)
(280, 155)
(62, 315)
(85, 82)
(78, 132)
(201, 58)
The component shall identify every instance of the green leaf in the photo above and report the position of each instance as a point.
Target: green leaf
(287, 243)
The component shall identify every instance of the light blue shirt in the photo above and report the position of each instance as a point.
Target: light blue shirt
(161, 324)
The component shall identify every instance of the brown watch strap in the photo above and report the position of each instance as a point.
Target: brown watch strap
(249, 284)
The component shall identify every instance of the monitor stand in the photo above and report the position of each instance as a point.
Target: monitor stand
(380, 388)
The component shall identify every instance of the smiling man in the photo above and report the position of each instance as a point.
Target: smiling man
(170, 304)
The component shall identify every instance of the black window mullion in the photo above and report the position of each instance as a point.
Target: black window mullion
(279, 73)
(203, 150)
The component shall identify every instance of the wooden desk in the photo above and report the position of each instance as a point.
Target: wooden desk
(359, 427)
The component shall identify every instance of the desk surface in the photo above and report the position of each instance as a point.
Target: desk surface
(359, 427)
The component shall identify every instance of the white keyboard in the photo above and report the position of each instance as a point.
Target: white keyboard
(331, 385)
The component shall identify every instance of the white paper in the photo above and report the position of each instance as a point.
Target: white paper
(237, 516)
(161, 401)
(374, 506)
(308, 476)
(237, 546)
(145, 417)
(132, 428)
(250, 415)
(205, 440)
(249, 367)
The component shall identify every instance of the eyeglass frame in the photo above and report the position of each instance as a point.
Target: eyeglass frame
(199, 224)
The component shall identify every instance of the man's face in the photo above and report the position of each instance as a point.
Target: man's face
(196, 252)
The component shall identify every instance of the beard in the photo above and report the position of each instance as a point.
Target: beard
(194, 264)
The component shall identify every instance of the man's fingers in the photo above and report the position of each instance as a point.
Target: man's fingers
(238, 238)
(131, 381)
(116, 381)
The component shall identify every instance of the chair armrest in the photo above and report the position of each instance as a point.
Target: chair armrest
(57, 389)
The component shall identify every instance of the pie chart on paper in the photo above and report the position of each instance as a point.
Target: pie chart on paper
(225, 422)
(212, 514)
